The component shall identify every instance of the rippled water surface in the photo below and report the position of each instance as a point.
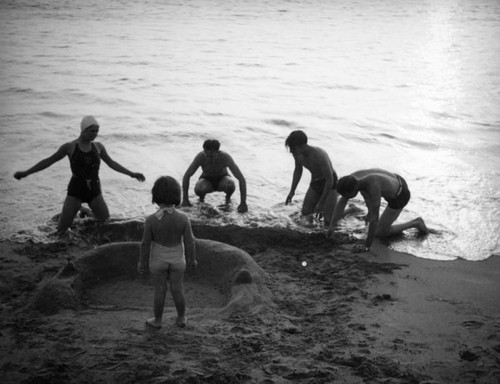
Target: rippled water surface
(412, 87)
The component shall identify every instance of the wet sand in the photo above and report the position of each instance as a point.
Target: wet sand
(382, 317)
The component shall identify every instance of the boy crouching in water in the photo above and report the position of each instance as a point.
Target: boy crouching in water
(167, 235)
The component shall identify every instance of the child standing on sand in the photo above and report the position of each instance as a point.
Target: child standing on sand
(167, 235)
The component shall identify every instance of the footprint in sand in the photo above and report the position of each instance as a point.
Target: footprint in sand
(473, 324)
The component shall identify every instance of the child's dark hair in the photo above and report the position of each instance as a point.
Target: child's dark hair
(211, 145)
(166, 190)
(295, 139)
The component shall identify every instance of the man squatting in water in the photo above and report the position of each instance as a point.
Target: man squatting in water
(215, 177)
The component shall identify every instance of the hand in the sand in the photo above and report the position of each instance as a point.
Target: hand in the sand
(358, 248)
(289, 198)
(242, 208)
(319, 209)
(319, 216)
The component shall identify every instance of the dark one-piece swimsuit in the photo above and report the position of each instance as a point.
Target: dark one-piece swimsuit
(319, 184)
(85, 184)
(402, 197)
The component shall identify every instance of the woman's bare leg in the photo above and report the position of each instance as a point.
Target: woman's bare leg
(99, 208)
(69, 210)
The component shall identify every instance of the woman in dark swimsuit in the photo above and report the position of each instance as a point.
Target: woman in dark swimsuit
(85, 157)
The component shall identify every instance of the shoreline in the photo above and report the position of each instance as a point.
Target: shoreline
(346, 318)
(440, 316)
(433, 246)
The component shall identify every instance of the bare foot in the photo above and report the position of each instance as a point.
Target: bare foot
(64, 236)
(152, 322)
(181, 321)
(85, 212)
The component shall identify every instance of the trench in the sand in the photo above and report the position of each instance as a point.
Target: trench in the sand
(199, 292)
(227, 279)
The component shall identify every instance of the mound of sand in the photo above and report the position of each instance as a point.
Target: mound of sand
(221, 267)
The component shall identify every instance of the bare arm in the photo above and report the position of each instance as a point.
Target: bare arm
(235, 170)
(187, 176)
(45, 163)
(189, 244)
(297, 174)
(372, 200)
(147, 237)
(117, 166)
(337, 215)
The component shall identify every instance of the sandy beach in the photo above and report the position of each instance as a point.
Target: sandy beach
(332, 317)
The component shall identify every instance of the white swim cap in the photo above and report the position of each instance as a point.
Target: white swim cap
(88, 121)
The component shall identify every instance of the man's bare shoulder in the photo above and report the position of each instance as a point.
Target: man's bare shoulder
(224, 156)
(374, 182)
(319, 153)
(362, 173)
(318, 149)
(200, 157)
(366, 175)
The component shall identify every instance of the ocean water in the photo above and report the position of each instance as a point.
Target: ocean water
(412, 86)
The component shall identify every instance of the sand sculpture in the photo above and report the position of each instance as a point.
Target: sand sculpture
(230, 269)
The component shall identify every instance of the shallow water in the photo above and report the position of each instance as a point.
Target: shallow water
(412, 88)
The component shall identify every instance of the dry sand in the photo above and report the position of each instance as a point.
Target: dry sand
(382, 317)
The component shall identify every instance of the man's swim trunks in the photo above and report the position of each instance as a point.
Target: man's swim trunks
(319, 184)
(162, 258)
(84, 184)
(402, 197)
(214, 180)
